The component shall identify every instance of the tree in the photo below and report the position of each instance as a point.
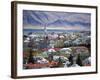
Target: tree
(71, 59)
(59, 62)
(79, 60)
(31, 59)
(50, 57)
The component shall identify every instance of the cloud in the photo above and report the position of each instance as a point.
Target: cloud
(56, 19)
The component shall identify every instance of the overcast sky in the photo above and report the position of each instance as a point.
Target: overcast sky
(56, 20)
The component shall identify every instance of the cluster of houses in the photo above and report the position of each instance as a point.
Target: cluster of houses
(57, 49)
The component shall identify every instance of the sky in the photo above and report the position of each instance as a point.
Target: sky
(56, 20)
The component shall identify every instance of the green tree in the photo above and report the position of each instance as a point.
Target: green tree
(31, 59)
(79, 60)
